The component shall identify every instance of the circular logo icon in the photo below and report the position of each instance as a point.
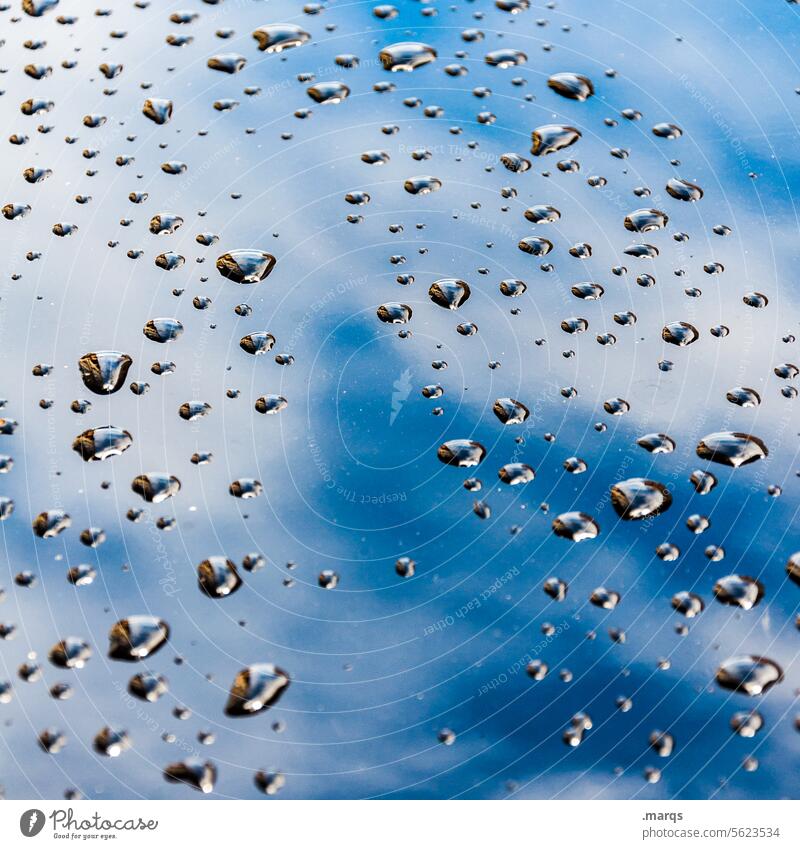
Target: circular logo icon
(31, 822)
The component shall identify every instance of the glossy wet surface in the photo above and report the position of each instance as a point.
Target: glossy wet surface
(319, 452)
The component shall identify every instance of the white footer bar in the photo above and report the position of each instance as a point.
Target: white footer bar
(400, 825)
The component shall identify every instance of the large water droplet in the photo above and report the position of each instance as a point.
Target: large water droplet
(656, 443)
(228, 63)
(684, 190)
(147, 686)
(100, 443)
(572, 86)
(638, 498)
(406, 55)
(162, 329)
(257, 343)
(575, 526)
(70, 653)
(505, 57)
(646, 220)
(328, 92)
(157, 109)
(156, 487)
(510, 411)
(449, 293)
(516, 473)
(680, 333)
(274, 38)
(422, 185)
(550, 138)
(256, 688)
(394, 313)
(111, 742)
(137, 637)
(194, 772)
(217, 577)
(739, 591)
(749, 674)
(104, 372)
(246, 265)
(688, 604)
(461, 452)
(51, 523)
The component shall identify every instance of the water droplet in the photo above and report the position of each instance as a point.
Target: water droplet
(743, 397)
(422, 185)
(688, 604)
(449, 293)
(587, 291)
(516, 473)
(550, 138)
(535, 245)
(137, 637)
(228, 63)
(328, 92)
(749, 674)
(575, 526)
(51, 523)
(246, 265)
(269, 783)
(703, 482)
(638, 498)
(510, 411)
(274, 38)
(257, 343)
(579, 725)
(747, 723)
(157, 109)
(667, 131)
(100, 443)
(104, 372)
(195, 773)
(147, 686)
(70, 653)
(162, 329)
(755, 299)
(394, 313)
(156, 487)
(111, 743)
(739, 590)
(405, 567)
(461, 452)
(406, 56)
(271, 404)
(731, 449)
(165, 223)
(246, 488)
(684, 190)
(505, 57)
(572, 86)
(605, 598)
(52, 740)
(256, 688)
(662, 742)
(656, 443)
(680, 333)
(515, 163)
(646, 220)
(217, 577)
